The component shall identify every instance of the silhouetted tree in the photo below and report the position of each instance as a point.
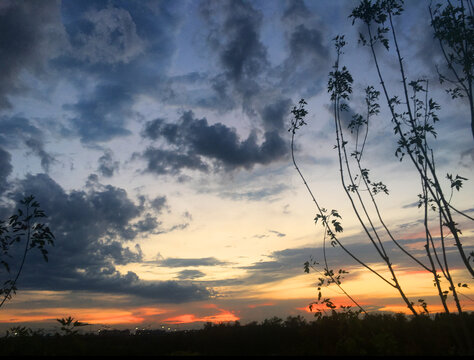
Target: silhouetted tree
(69, 325)
(413, 115)
(24, 229)
(454, 28)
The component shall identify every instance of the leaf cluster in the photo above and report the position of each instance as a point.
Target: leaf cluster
(454, 27)
(376, 12)
(299, 113)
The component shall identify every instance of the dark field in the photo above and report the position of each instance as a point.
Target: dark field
(335, 335)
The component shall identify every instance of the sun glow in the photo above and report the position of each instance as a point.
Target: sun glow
(91, 315)
(222, 316)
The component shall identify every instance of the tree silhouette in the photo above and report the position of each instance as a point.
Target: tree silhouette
(413, 116)
(22, 227)
(454, 28)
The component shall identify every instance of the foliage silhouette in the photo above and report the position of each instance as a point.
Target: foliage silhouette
(414, 121)
(454, 28)
(69, 325)
(373, 334)
(22, 227)
(413, 117)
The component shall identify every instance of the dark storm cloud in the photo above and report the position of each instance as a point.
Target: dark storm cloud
(295, 9)
(113, 52)
(91, 229)
(148, 224)
(104, 210)
(419, 36)
(159, 203)
(107, 166)
(307, 42)
(125, 47)
(411, 205)
(117, 31)
(247, 78)
(234, 36)
(279, 234)
(222, 97)
(469, 155)
(169, 162)
(190, 274)
(288, 263)
(429, 51)
(281, 265)
(194, 140)
(243, 56)
(16, 131)
(37, 148)
(173, 228)
(26, 30)
(103, 33)
(275, 115)
(101, 116)
(183, 262)
(6, 168)
(347, 116)
(308, 52)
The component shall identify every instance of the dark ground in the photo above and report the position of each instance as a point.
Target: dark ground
(334, 335)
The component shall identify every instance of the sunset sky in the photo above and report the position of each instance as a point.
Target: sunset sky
(154, 134)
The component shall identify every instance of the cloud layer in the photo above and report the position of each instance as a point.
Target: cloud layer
(194, 140)
(94, 229)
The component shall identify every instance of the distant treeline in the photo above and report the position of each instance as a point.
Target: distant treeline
(374, 334)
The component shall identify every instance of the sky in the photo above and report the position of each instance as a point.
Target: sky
(154, 134)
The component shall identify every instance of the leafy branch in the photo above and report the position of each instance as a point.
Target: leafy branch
(22, 226)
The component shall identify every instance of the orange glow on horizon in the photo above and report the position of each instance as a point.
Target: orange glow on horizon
(149, 311)
(432, 308)
(253, 306)
(397, 308)
(223, 316)
(419, 245)
(435, 233)
(113, 319)
(305, 309)
(209, 306)
(90, 316)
